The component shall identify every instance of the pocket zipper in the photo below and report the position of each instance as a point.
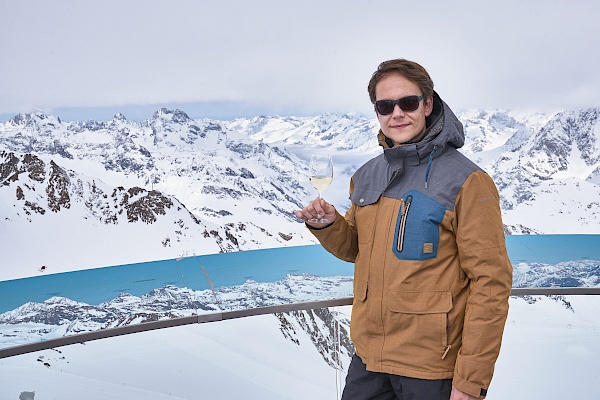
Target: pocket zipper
(405, 205)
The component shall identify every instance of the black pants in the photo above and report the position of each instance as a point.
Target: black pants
(366, 385)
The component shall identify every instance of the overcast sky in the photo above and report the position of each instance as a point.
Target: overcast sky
(223, 59)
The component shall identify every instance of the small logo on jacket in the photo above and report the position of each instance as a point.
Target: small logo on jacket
(427, 248)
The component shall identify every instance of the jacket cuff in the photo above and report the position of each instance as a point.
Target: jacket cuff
(312, 228)
(469, 387)
(338, 218)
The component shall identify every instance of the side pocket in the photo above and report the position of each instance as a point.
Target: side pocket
(420, 316)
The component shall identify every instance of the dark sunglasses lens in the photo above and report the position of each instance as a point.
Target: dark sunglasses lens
(410, 103)
(385, 107)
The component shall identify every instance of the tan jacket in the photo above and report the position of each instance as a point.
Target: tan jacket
(432, 277)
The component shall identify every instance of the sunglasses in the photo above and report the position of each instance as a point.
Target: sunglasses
(406, 104)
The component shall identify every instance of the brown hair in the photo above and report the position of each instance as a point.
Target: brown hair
(411, 70)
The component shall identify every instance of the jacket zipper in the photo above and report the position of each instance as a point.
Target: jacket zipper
(405, 205)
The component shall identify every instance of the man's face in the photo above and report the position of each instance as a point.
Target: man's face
(401, 126)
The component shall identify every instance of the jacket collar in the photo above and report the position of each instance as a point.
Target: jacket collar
(443, 127)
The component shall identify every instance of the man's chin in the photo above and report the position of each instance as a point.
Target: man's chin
(400, 139)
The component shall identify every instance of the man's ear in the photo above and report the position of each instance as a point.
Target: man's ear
(428, 106)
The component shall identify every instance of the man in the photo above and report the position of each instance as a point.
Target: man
(432, 277)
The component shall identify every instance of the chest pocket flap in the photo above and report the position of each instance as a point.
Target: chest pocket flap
(362, 196)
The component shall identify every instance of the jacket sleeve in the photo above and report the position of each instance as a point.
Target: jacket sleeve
(340, 238)
(484, 259)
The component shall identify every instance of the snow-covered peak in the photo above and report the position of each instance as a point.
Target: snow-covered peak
(119, 117)
(176, 116)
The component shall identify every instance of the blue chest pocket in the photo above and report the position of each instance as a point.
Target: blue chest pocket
(417, 234)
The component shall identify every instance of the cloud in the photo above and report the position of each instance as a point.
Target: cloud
(293, 57)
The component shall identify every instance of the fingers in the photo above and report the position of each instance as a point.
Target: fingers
(312, 210)
(317, 208)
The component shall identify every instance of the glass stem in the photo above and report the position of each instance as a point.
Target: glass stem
(319, 214)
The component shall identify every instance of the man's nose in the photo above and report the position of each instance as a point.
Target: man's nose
(397, 111)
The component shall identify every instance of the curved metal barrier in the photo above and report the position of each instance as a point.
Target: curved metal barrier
(225, 315)
(169, 323)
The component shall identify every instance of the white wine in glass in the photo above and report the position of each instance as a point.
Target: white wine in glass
(321, 175)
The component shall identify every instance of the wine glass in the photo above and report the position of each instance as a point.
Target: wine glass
(321, 175)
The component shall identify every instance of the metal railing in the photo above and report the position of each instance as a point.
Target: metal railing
(226, 315)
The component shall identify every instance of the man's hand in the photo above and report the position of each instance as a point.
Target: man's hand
(458, 395)
(318, 208)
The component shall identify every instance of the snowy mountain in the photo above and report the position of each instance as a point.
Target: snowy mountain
(583, 273)
(97, 193)
(308, 340)
(59, 316)
(546, 167)
(159, 189)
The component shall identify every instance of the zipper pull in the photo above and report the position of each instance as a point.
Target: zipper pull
(447, 350)
(404, 205)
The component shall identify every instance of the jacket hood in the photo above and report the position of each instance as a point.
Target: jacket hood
(443, 127)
